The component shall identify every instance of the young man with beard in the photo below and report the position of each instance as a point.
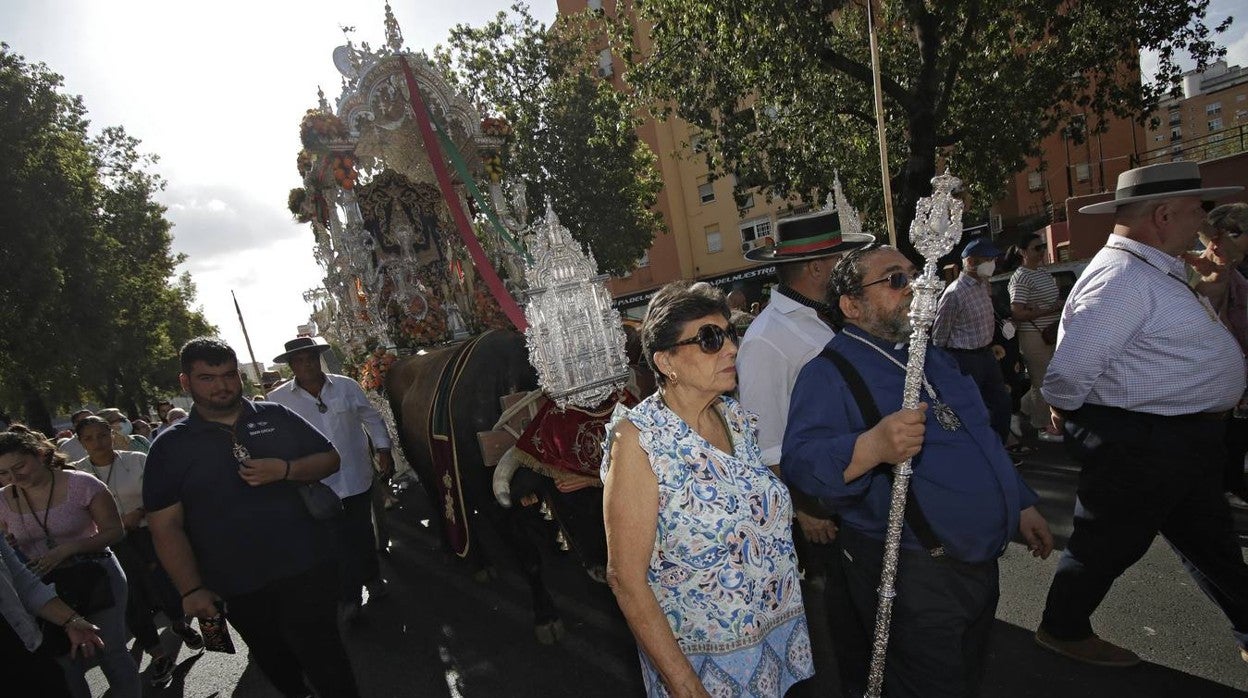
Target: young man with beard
(840, 449)
(339, 409)
(232, 531)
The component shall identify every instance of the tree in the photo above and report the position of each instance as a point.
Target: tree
(574, 134)
(784, 88)
(88, 303)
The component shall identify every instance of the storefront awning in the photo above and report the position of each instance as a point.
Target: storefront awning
(763, 273)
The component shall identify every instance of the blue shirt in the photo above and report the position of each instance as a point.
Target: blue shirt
(1135, 336)
(244, 537)
(964, 480)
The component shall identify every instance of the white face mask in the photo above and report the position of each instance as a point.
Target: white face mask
(125, 427)
(985, 270)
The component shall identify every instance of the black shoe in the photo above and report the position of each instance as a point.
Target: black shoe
(190, 638)
(161, 670)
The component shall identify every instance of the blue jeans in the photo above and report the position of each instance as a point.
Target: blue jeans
(115, 661)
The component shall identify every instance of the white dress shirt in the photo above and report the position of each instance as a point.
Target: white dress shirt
(1135, 336)
(778, 344)
(348, 415)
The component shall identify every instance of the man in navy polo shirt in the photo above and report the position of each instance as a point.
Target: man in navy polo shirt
(222, 500)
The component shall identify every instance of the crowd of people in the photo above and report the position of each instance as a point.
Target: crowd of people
(1138, 372)
(254, 515)
(745, 501)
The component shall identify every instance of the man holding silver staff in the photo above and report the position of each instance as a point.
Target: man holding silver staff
(1143, 380)
(845, 429)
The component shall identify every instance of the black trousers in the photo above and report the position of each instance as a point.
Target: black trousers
(149, 587)
(1236, 447)
(1142, 475)
(356, 546)
(26, 672)
(291, 628)
(839, 642)
(983, 368)
(942, 617)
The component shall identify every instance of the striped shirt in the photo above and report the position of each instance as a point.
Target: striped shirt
(1135, 336)
(964, 318)
(1037, 288)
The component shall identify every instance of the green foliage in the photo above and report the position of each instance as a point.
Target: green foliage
(87, 300)
(975, 84)
(574, 136)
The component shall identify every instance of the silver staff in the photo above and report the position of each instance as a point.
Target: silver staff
(936, 228)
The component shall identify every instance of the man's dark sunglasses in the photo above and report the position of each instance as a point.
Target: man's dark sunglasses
(710, 338)
(896, 281)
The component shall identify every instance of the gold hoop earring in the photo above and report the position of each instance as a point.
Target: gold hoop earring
(672, 378)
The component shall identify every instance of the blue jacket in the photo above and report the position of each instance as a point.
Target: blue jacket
(964, 480)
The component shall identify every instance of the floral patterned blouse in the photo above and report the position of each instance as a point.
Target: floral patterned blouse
(723, 569)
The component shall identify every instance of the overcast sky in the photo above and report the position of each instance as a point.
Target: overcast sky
(217, 91)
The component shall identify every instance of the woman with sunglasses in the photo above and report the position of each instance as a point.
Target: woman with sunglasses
(699, 545)
(1222, 268)
(61, 519)
(1036, 306)
(149, 587)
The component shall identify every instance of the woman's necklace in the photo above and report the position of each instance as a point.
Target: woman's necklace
(47, 509)
(108, 479)
(945, 416)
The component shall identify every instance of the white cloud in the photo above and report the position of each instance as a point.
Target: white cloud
(217, 90)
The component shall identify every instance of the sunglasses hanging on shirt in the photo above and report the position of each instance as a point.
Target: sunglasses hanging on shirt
(321, 406)
(710, 338)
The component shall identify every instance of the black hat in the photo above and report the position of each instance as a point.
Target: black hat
(811, 236)
(301, 344)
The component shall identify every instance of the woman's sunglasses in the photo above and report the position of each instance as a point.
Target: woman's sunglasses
(896, 281)
(710, 338)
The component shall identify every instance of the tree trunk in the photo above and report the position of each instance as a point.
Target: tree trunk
(35, 411)
(915, 179)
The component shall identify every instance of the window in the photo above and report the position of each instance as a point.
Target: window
(1176, 116)
(1035, 181)
(1176, 132)
(644, 261)
(605, 69)
(748, 201)
(697, 142)
(1083, 172)
(706, 190)
(714, 241)
(1241, 114)
(756, 229)
(1215, 124)
(595, 5)
(1213, 109)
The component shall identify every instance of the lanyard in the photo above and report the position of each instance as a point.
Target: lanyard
(47, 511)
(1208, 309)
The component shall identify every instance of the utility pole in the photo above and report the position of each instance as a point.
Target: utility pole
(246, 338)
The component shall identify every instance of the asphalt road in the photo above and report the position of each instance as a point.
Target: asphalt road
(441, 633)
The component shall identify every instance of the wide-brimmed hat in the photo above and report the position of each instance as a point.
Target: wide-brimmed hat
(301, 344)
(811, 236)
(1166, 180)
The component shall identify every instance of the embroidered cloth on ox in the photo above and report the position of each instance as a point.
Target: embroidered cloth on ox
(567, 440)
(723, 569)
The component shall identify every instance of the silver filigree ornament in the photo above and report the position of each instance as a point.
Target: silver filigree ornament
(936, 229)
(575, 337)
